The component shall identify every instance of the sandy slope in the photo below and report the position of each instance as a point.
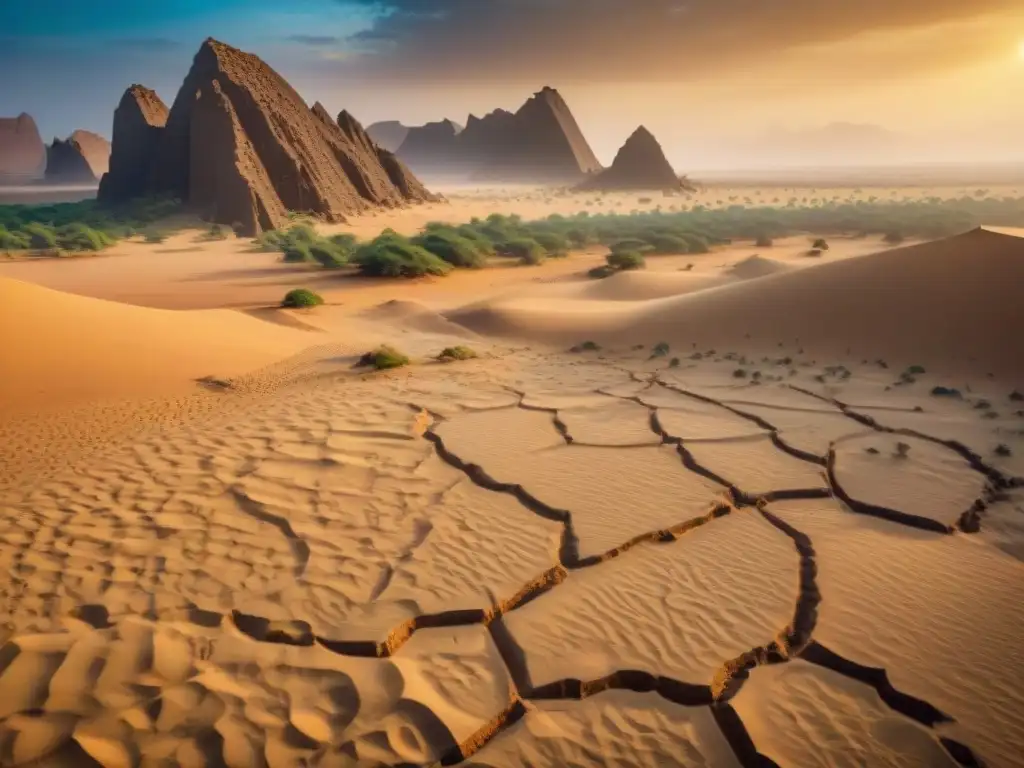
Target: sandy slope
(536, 557)
(61, 348)
(949, 303)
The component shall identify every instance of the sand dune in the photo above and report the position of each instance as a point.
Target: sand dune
(756, 266)
(537, 557)
(62, 348)
(950, 304)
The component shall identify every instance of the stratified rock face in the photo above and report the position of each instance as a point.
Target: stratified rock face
(388, 134)
(432, 148)
(83, 158)
(139, 122)
(22, 151)
(639, 164)
(241, 147)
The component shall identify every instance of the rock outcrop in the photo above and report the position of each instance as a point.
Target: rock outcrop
(22, 151)
(641, 165)
(432, 148)
(139, 122)
(82, 158)
(540, 143)
(388, 134)
(242, 148)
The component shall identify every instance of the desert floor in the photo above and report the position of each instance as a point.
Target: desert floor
(223, 544)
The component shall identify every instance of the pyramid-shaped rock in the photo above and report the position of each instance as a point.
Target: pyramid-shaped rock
(540, 143)
(22, 151)
(241, 147)
(640, 164)
(138, 128)
(82, 158)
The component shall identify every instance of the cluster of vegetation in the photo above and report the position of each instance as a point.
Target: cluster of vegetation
(383, 358)
(300, 298)
(452, 354)
(77, 227)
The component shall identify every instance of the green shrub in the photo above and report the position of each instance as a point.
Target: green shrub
(391, 255)
(821, 244)
(946, 392)
(327, 254)
(554, 244)
(298, 253)
(893, 237)
(450, 354)
(455, 249)
(660, 349)
(696, 243)
(667, 244)
(12, 241)
(154, 237)
(40, 236)
(301, 297)
(79, 237)
(625, 260)
(763, 241)
(526, 249)
(673, 363)
(383, 358)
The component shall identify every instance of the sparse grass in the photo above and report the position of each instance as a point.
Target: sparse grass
(586, 346)
(1016, 397)
(451, 354)
(940, 391)
(902, 450)
(383, 358)
(660, 349)
(916, 370)
(1003, 450)
(739, 373)
(673, 363)
(301, 298)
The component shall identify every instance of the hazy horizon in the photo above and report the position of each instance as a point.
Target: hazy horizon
(726, 84)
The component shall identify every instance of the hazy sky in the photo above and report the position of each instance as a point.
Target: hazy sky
(719, 82)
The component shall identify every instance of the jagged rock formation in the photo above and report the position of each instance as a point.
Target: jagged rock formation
(639, 164)
(241, 147)
(22, 151)
(539, 143)
(82, 158)
(432, 148)
(388, 134)
(138, 127)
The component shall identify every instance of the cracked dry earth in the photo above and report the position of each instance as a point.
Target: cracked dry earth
(541, 563)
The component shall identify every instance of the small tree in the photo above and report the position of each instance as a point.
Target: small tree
(625, 260)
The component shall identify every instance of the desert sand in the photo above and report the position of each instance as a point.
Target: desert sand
(223, 544)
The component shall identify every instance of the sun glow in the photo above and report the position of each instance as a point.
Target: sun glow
(1020, 50)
